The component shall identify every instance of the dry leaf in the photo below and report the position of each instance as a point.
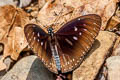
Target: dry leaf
(52, 10)
(12, 21)
(56, 12)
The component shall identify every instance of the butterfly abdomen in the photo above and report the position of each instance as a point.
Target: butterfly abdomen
(55, 56)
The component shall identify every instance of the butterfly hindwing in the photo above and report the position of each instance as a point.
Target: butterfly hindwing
(75, 38)
(38, 41)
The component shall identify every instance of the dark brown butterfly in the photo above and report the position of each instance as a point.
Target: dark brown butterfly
(64, 50)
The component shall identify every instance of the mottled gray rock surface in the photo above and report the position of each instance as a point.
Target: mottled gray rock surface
(113, 64)
(29, 68)
(24, 3)
(7, 2)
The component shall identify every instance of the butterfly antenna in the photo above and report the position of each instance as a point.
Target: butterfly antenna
(63, 77)
(56, 20)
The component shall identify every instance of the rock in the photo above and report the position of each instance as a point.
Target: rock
(2, 73)
(93, 62)
(113, 64)
(29, 68)
(24, 3)
(103, 73)
(7, 2)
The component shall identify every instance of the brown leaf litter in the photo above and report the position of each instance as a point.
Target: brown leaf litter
(12, 23)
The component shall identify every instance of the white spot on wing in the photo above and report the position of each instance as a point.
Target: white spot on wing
(80, 33)
(68, 42)
(33, 26)
(75, 38)
(41, 43)
(38, 34)
(78, 18)
(85, 29)
(84, 53)
(84, 24)
(38, 40)
(75, 28)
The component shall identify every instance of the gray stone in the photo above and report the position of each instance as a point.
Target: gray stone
(24, 3)
(29, 68)
(113, 64)
(7, 2)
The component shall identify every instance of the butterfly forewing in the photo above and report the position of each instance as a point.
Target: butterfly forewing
(38, 41)
(75, 38)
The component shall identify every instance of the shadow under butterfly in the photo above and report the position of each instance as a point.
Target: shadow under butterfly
(64, 50)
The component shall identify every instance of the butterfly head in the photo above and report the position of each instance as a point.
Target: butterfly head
(50, 31)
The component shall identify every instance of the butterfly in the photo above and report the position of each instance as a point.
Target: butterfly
(64, 50)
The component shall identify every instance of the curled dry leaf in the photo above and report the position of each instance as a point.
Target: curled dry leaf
(104, 8)
(12, 21)
(114, 21)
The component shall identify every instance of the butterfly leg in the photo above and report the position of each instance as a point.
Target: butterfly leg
(61, 77)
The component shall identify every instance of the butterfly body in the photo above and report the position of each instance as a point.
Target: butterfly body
(65, 49)
(52, 41)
